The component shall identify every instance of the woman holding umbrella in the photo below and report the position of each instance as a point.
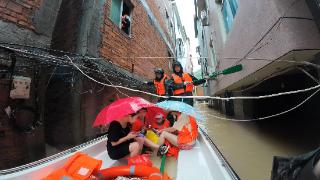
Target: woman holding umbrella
(121, 142)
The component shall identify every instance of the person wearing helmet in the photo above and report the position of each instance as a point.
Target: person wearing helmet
(182, 83)
(160, 83)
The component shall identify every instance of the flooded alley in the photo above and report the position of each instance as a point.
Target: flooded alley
(249, 147)
(112, 81)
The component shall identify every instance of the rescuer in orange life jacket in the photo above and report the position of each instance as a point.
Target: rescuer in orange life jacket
(160, 83)
(181, 83)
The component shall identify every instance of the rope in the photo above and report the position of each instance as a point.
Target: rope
(265, 117)
(185, 97)
(70, 62)
(200, 97)
(277, 114)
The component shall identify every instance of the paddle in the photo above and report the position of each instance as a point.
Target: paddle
(229, 70)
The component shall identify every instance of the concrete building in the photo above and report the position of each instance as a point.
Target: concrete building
(62, 99)
(259, 35)
(182, 42)
(204, 33)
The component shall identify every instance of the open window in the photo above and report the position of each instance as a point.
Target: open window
(120, 14)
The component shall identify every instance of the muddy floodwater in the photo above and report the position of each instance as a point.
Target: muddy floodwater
(249, 147)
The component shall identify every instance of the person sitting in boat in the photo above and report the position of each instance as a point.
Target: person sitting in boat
(182, 134)
(140, 127)
(172, 117)
(160, 122)
(141, 123)
(121, 142)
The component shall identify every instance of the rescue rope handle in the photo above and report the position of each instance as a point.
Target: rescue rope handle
(185, 97)
(277, 114)
(198, 97)
(208, 97)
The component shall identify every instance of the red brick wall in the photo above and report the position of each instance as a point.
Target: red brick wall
(19, 11)
(144, 41)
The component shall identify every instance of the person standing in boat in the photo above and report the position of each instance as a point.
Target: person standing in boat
(182, 83)
(160, 83)
(182, 134)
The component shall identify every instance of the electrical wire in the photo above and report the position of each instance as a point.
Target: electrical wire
(72, 63)
(202, 97)
(277, 114)
(195, 97)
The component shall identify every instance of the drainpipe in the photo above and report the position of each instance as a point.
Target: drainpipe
(174, 35)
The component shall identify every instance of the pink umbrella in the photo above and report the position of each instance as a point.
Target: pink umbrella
(119, 109)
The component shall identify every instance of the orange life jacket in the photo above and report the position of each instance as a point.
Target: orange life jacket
(79, 166)
(178, 80)
(137, 125)
(160, 85)
(185, 136)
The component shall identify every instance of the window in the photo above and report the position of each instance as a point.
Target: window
(229, 10)
(180, 49)
(120, 14)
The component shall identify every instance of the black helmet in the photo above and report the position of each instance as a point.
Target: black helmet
(177, 63)
(159, 71)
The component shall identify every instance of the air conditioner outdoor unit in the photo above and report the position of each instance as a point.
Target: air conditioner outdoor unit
(204, 18)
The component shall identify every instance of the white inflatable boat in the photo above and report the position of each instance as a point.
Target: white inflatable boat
(203, 162)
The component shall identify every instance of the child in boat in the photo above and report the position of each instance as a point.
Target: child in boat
(141, 121)
(121, 142)
(183, 134)
(160, 122)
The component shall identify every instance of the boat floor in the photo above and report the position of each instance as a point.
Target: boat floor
(202, 162)
(170, 165)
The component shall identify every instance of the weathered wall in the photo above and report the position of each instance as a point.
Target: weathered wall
(28, 22)
(145, 40)
(162, 8)
(66, 30)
